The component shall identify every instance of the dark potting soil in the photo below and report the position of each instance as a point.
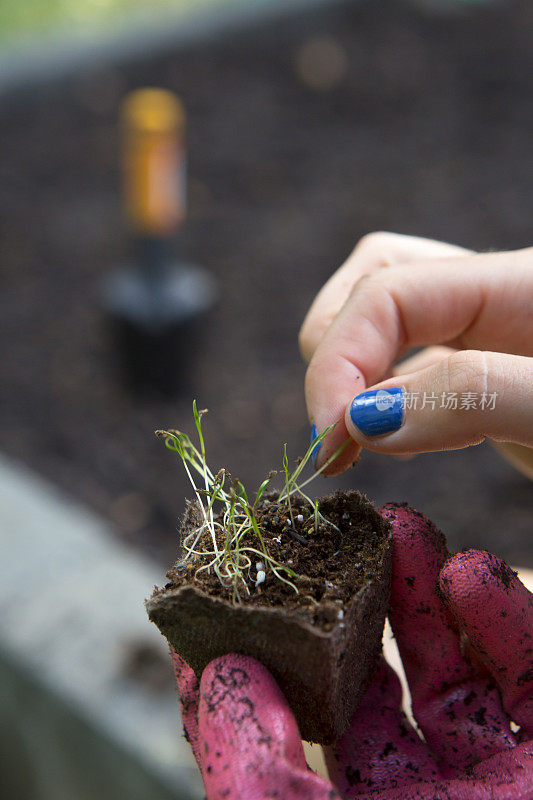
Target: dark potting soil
(331, 563)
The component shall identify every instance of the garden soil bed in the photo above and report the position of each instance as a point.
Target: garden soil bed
(427, 131)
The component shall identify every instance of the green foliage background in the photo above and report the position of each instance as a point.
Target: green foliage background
(20, 18)
(25, 17)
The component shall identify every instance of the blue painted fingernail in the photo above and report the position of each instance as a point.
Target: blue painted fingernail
(314, 434)
(378, 411)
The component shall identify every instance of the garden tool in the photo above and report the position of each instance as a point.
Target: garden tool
(155, 307)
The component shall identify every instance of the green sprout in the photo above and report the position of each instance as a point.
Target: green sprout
(234, 534)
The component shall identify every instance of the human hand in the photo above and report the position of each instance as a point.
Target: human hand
(397, 292)
(464, 628)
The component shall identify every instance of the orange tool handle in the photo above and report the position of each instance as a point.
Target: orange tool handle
(153, 125)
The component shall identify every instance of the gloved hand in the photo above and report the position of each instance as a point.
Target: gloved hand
(464, 627)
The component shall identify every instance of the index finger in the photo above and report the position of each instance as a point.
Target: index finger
(478, 302)
(373, 252)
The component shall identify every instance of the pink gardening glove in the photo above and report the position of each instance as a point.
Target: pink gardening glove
(464, 627)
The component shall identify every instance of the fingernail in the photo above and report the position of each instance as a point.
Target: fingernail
(314, 434)
(378, 411)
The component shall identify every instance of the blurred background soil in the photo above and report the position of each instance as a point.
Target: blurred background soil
(304, 134)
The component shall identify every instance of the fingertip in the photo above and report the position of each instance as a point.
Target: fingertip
(411, 525)
(348, 457)
(417, 543)
(374, 414)
(241, 668)
(469, 576)
(244, 676)
(330, 382)
(343, 462)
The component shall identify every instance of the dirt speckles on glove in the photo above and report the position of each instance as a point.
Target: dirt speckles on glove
(464, 627)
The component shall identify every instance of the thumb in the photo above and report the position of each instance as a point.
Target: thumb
(251, 744)
(459, 401)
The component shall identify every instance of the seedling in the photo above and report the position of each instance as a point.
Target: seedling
(265, 575)
(229, 539)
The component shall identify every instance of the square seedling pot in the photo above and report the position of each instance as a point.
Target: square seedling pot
(323, 673)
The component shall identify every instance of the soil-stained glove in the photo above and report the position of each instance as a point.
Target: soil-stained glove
(464, 627)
